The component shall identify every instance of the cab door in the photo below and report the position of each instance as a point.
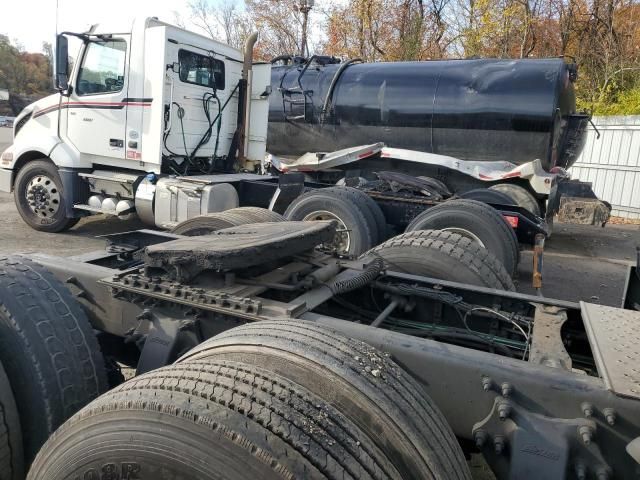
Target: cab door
(97, 106)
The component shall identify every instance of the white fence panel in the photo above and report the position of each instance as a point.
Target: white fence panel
(612, 163)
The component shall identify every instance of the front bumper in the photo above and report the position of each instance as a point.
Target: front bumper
(6, 180)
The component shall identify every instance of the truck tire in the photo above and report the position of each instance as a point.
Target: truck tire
(443, 255)
(357, 229)
(360, 202)
(210, 419)
(376, 212)
(364, 384)
(475, 220)
(439, 185)
(48, 350)
(11, 456)
(201, 225)
(257, 215)
(205, 224)
(360, 182)
(487, 195)
(520, 196)
(370, 209)
(38, 195)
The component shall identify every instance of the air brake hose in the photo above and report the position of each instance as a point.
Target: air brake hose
(364, 278)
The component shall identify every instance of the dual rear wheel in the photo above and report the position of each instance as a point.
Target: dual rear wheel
(272, 400)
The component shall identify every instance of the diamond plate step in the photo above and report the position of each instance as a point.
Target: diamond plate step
(614, 335)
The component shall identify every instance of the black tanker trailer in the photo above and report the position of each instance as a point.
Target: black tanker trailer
(477, 110)
(507, 125)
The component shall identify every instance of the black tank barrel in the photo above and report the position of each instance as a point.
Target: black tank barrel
(479, 109)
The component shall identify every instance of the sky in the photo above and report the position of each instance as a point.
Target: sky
(31, 22)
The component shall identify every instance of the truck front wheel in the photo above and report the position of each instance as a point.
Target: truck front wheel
(38, 195)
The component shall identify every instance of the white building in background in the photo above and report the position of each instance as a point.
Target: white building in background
(4, 95)
(612, 163)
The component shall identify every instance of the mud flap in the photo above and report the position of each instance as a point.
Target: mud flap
(576, 202)
(631, 296)
(75, 190)
(583, 211)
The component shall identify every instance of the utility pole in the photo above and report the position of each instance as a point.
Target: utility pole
(304, 7)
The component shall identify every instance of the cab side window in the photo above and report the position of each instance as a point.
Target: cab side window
(103, 67)
(201, 70)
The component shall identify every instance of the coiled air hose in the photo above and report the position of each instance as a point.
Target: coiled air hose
(368, 275)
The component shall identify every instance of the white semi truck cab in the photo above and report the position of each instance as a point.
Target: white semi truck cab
(145, 114)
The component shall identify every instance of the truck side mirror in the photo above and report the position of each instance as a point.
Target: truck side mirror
(61, 71)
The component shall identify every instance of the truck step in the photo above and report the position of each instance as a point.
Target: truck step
(110, 176)
(88, 208)
(614, 335)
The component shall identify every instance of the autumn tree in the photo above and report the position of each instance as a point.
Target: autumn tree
(389, 30)
(225, 21)
(278, 22)
(22, 72)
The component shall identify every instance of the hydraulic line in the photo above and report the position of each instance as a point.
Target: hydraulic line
(368, 275)
(332, 86)
(189, 157)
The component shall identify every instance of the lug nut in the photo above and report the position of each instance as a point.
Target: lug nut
(610, 416)
(504, 410)
(586, 433)
(602, 474)
(587, 409)
(480, 437)
(498, 444)
(581, 471)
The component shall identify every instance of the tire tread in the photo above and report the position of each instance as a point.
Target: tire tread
(311, 428)
(454, 245)
(44, 324)
(397, 395)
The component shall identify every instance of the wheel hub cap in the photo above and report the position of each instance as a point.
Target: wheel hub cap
(43, 196)
(465, 233)
(342, 239)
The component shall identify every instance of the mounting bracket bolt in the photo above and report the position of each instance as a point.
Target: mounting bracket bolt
(507, 389)
(610, 416)
(480, 437)
(587, 409)
(504, 410)
(586, 433)
(487, 383)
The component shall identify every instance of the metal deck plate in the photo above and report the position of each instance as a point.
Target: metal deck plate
(614, 335)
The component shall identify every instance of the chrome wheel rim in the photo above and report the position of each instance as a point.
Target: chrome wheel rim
(465, 233)
(342, 239)
(43, 196)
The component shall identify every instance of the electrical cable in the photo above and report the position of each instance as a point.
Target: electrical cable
(500, 315)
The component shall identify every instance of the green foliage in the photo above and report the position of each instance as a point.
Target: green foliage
(24, 73)
(627, 102)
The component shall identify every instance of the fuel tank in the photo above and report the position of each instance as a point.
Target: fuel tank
(478, 109)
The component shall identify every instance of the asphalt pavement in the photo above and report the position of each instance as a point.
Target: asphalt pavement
(581, 262)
